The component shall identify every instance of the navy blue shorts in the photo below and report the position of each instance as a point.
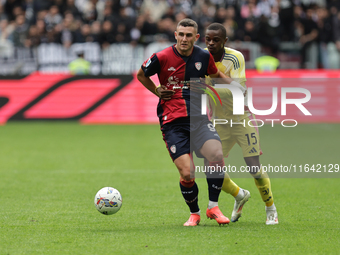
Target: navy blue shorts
(183, 136)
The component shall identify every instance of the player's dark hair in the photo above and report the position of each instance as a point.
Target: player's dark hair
(216, 27)
(188, 23)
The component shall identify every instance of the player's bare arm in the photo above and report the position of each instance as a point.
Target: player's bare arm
(160, 91)
(228, 80)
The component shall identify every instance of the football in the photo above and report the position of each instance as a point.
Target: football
(108, 201)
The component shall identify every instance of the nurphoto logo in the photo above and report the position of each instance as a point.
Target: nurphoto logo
(239, 103)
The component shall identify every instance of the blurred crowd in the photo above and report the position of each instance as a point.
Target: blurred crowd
(28, 23)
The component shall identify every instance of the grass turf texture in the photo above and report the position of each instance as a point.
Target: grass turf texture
(50, 173)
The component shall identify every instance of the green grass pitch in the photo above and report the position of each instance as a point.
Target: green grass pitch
(50, 173)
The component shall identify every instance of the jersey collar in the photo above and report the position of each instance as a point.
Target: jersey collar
(222, 57)
(178, 54)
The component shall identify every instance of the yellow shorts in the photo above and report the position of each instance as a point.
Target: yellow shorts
(246, 136)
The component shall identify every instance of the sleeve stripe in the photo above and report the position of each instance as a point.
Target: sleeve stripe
(232, 56)
(236, 66)
(233, 59)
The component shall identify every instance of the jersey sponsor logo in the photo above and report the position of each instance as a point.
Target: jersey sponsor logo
(173, 148)
(172, 69)
(198, 65)
(172, 80)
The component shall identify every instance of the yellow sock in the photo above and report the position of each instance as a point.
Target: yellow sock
(262, 182)
(229, 186)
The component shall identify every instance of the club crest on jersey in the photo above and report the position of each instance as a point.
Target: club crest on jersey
(198, 65)
(173, 148)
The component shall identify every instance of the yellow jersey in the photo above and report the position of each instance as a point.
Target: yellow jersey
(231, 64)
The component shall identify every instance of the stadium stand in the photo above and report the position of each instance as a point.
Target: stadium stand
(44, 34)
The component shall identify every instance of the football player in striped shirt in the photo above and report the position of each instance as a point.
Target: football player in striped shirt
(231, 63)
(175, 66)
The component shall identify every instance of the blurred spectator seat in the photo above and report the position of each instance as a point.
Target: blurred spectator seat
(122, 58)
(312, 56)
(155, 47)
(20, 61)
(333, 56)
(55, 58)
(250, 51)
(289, 55)
(6, 49)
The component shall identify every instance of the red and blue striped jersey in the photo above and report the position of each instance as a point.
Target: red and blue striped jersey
(175, 71)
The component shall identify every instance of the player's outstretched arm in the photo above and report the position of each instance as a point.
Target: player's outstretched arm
(219, 74)
(228, 80)
(160, 91)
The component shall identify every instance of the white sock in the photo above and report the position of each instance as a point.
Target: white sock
(271, 208)
(198, 213)
(212, 204)
(240, 194)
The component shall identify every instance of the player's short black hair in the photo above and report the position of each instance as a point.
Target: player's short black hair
(188, 23)
(216, 27)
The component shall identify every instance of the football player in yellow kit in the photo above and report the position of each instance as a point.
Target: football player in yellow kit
(231, 62)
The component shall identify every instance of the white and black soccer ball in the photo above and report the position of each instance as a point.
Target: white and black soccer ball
(108, 201)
